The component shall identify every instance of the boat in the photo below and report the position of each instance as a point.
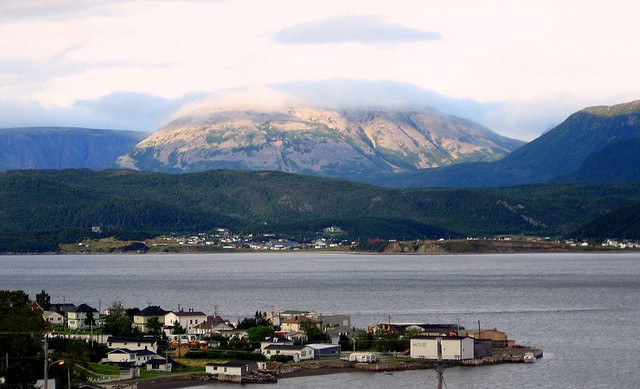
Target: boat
(529, 358)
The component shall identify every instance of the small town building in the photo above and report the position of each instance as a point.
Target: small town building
(299, 353)
(77, 317)
(187, 320)
(332, 321)
(297, 323)
(123, 356)
(325, 350)
(160, 364)
(141, 319)
(53, 318)
(213, 325)
(453, 348)
(132, 343)
(498, 338)
(231, 368)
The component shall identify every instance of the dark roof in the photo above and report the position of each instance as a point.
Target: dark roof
(131, 340)
(128, 351)
(158, 361)
(441, 337)
(144, 352)
(152, 310)
(63, 307)
(189, 313)
(83, 308)
(283, 347)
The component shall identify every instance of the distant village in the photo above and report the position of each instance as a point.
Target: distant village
(290, 337)
(330, 238)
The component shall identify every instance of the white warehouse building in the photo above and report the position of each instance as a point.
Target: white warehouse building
(454, 348)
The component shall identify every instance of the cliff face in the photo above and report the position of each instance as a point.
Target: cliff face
(317, 141)
(63, 148)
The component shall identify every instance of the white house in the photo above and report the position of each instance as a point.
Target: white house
(452, 348)
(231, 368)
(124, 342)
(299, 353)
(53, 318)
(77, 317)
(188, 320)
(131, 357)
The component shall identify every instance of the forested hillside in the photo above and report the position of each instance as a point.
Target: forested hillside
(65, 204)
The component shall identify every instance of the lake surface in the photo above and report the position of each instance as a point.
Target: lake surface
(582, 309)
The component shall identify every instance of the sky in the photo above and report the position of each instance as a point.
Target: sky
(517, 67)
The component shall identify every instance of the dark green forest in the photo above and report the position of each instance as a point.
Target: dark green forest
(41, 208)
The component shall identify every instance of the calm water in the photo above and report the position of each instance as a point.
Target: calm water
(582, 309)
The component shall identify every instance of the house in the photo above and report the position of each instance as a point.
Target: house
(124, 356)
(277, 318)
(498, 338)
(275, 340)
(299, 353)
(129, 343)
(297, 323)
(325, 350)
(235, 332)
(453, 348)
(62, 307)
(295, 336)
(213, 325)
(188, 320)
(77, 317)
(331, 321)
(160, 364)
(141, 319)
(336, 334)
(231, 368)
(54, 318)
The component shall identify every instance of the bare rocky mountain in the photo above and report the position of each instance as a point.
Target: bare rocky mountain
(337, 143)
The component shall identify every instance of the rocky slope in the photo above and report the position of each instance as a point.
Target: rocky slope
(336, 143)
(556, 153)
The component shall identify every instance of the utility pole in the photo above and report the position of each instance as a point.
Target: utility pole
(439, 368)
(46, 362)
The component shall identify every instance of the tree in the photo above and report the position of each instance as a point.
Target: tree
(314, 334)
(20, 339)
(155, 327)
(44, 300)
(117, 322)
(259, 319)
(258, 334)
(177, 329)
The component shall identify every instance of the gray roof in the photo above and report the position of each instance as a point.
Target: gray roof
(284, 347)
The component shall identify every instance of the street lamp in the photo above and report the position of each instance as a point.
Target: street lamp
(59, 362)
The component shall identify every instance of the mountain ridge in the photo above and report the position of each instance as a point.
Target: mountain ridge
(557, 152)
(337, 143)
(63, 147)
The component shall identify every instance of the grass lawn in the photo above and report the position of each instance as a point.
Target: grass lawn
(104, 369)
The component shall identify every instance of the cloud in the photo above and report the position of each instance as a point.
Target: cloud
(121, 110)
(353, 29)
(259, 98)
